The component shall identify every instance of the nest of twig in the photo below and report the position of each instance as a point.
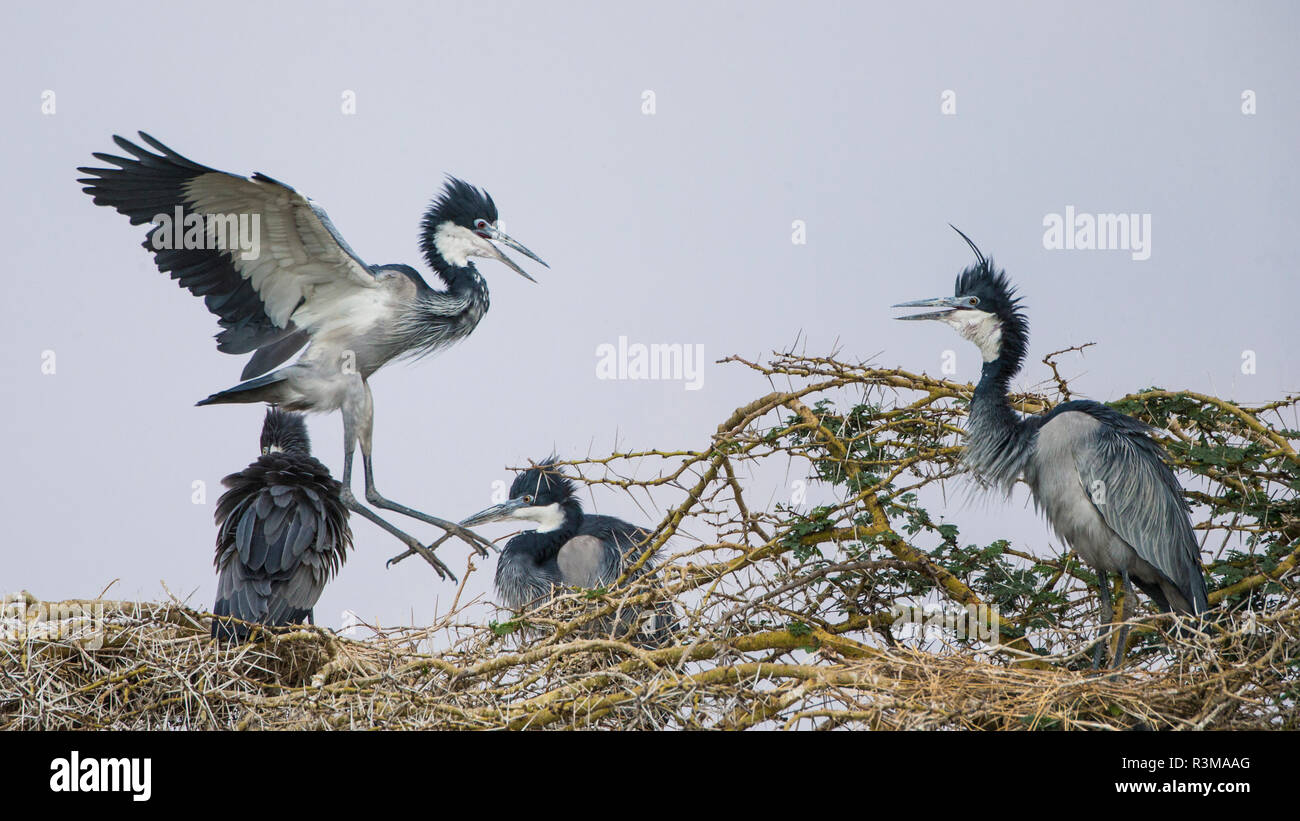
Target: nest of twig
(158, 668)
(787, 609)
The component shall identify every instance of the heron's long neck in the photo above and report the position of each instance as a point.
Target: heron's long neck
(463, 281)
(435, 319)
(995, 447)
(524, 572)
(536, 548)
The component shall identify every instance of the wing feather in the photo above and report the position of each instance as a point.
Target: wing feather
(301, 258)
(282, 533)
(1138, 495)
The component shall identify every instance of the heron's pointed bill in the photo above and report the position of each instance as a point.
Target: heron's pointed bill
(496, 513)
(497, 235)
(950, 303)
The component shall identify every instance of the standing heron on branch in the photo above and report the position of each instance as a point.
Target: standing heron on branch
(298, 283)
(568, 548)
(1096, 473)
(282, 532)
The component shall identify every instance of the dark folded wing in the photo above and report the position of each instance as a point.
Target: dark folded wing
(1139, 497)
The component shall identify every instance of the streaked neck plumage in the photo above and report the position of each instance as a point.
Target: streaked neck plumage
(438, 318)
(457, 271)
(994, 430)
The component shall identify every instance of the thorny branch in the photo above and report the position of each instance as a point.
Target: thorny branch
(794, 538)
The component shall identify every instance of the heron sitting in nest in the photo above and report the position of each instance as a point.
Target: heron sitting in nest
(569, 548)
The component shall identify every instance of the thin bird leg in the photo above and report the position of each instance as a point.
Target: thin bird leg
(414, 544)
(444, 537)
(1107, 615)
(1125, 613)
(375, 498)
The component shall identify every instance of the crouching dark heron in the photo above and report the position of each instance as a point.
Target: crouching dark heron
(568, 548)
(1096, 473)
(270, 264)
(282, 533)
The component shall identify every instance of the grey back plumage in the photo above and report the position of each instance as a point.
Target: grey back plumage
(604, 549)
(622, 544)
(584, 562)
(1106, 489)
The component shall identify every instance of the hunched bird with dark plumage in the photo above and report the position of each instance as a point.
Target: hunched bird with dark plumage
(282, 533)
(568, 548)
(1097, 474)
(305, 286)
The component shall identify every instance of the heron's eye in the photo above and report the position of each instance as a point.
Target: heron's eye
(528, 500)
(973, 301)
(481, 227)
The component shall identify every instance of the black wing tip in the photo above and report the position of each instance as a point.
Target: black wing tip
(143, 156)
(153, 143)
(126, 145)
(142, 135)
(108, 158)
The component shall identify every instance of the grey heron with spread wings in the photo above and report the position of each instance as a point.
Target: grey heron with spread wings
(299, 285)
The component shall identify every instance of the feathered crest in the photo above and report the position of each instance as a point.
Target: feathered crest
(460, 203)
(544, 481)
(286, 431)
(969, 242)
(996, 295)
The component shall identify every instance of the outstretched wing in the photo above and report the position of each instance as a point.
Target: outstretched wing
(1138, 495)
(291, 255)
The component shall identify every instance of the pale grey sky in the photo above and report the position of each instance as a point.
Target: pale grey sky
(670, 228)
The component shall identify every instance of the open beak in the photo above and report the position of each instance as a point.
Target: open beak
(496, 513)
(950, 303)
(496, 235)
